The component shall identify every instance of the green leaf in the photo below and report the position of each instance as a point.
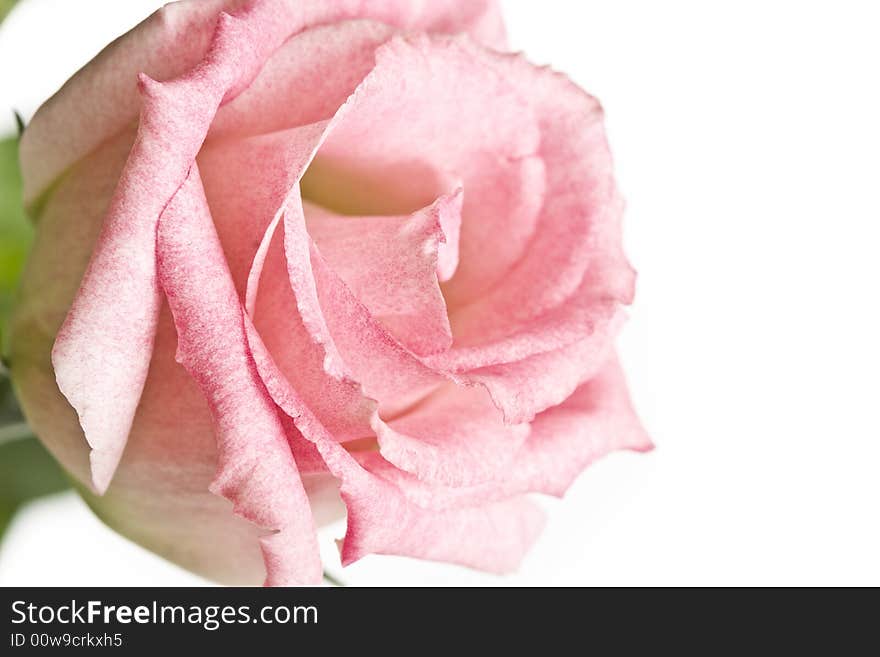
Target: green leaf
(27, 471)
(16, 232)
(5, 7)
(9, 411)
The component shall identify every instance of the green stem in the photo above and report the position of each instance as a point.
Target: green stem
(16, 431)
(332, 580)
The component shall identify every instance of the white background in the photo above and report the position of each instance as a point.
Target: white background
(747, 141)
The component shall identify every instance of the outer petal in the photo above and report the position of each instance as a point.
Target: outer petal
(257, 471)
(160, 495)
(303, 83)
(101, 100)
(102, 352)
(71, 218)
(557, 303)
(527, 383)
(455, 437)
(493, 537)
(596, 420)
(382, 519)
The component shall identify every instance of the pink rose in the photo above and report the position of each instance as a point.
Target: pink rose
(297, 251)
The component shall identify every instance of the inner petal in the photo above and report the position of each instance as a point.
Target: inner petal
(426, 117)
(392, 265)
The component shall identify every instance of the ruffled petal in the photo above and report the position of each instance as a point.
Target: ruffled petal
(102, 352)
(526, 387)
(72, 218)
(455, 437)
(101, 99)
(575, 252)
(337, 402)
(594, 421)
(257, 471)
(429, 113)
(597, 419)
(303, 83)
(246, 182)
(356, 347)
(493, 537)
(391, 265)
(383, 520)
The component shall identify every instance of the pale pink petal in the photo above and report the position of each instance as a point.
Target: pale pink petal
(493, 537)
(366, 353)
(247, 181)
(338, 403)
(449, 215)
(303, 83)
(297, 250)
(102, 351)
(595, 421)
(455, 437)
(71, 217)
(502, 204)
(491, 332)
(523, 388)
(333, 318)
(390, 264)
(430, 113)
(574, 256)
(256, 471)
(383, 520)
(101, 99)
(159, 496)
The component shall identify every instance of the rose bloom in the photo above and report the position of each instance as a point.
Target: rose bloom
(297, 259)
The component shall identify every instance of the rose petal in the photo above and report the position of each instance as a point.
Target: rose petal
(595, 421)
(382, 520)
(455, 437)
(71, 217)
(160, 494)
(390, 264)
(356, 347)
(493, 537)
(101, 99)
(430, 112)
(257, 471)
(387, 371)
(574, 257)
(246, 182)
(303, 83)
(102, 351)
(525, 387)
(449, 215)
(337, 402)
